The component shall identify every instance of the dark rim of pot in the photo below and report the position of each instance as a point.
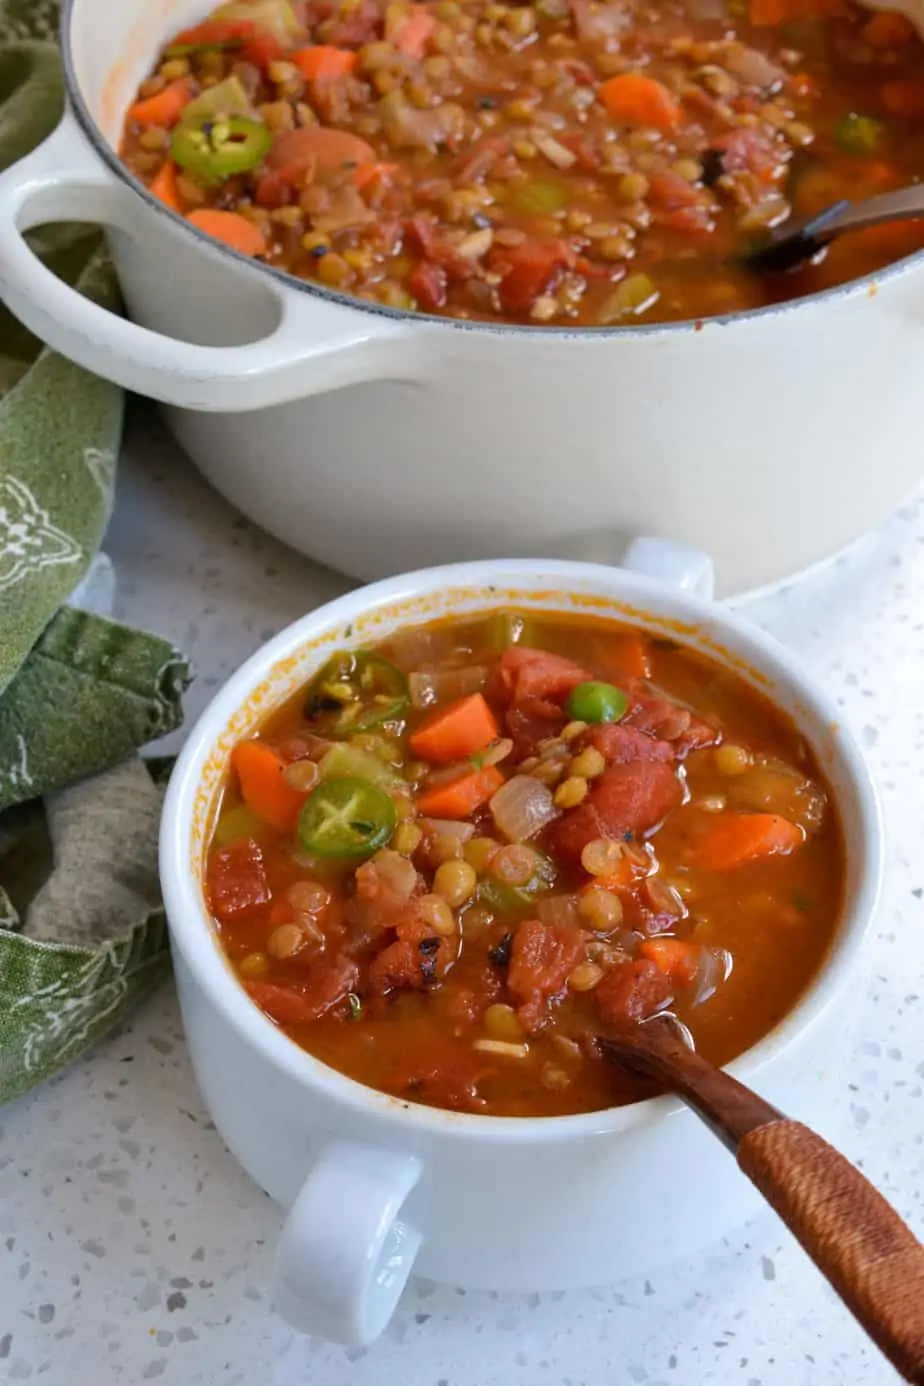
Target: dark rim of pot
(691, 326)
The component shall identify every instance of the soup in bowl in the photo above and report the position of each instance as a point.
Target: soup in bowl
(441, 834)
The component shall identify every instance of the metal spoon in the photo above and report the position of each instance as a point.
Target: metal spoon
(798, 241)
(856, 1239)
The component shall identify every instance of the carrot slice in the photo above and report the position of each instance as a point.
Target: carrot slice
(163, 185)
(166, 107)
(626, 657)
(259, 770)
(633, 99)
(735, 838)
(416, 33)
(676, 959)
(367, 173)
(460, 798)
(454, 732)
(230, 228)
(323, 62)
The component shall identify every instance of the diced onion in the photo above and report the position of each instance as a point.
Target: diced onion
(554, 151)
(446, 827)
(522, 807)
(429, 686)
(715, 965)
(559, 911)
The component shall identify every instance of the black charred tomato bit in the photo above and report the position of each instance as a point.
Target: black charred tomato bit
(713, 166)
(354, 693)
(428, 948)
(215, 149)
(500, 953)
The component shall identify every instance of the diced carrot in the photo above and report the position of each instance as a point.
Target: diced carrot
(367, 173)
(416, 33)
(166, 107)
(621, 879)
(259, 770)
(888, 29)
(319, 147)
(633, 99)
(734, 838)
(455, 732)
(163, 185)
(460, 798)
(230, 228)
(904, 99)
(677, 959)
(213, 33)
(627, 657)
(324, 63)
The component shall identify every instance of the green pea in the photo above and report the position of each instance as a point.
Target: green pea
(596, 702)
(860, 134)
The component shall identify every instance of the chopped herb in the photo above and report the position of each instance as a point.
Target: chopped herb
(627, 837)
(355, 1005)
(317, 251)
(486, 103)
(500, 953)
(801, 902)
(348, 632)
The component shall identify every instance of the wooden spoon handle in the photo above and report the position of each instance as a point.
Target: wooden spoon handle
(855, 1238)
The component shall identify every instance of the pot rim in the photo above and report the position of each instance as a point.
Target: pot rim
(193, 932)
(868, 284)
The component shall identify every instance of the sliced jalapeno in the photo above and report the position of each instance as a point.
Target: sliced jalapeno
(346, 819)
(356, 692)
(214, 150)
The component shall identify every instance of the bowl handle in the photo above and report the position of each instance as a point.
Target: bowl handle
(317, 345)
(675, 565)
(345, 1255)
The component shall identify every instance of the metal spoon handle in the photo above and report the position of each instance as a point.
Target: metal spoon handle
(903, 204)
(798, 241)
(857, 1241)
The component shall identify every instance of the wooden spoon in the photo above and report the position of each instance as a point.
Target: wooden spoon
(857, 1241)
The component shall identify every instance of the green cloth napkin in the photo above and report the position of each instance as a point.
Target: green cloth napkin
(81, 926)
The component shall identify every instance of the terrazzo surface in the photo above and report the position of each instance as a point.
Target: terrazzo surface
(133, 1247)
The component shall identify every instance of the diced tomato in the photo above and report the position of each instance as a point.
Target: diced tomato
(530, 721)
(669, 191)
(542, 958)
(631, 992)
(410, 962)
(326, 984)
(444, 1076)
(660, 717)
(528, 673)
(421, 235)
(354, 27)
(427, 282)
(620, 744)
(237, 881)
(529, 270)
(626, 799)
(748, 151)
(262, 48)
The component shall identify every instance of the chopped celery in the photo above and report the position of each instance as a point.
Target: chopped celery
(227, 98)
(634, 296)
(276, 16)
(350, 762)
(503, 898)
(541, 196)
(236, 823)
(859, 134)
(508, 628)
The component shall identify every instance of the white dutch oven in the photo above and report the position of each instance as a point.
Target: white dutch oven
(771, 439)
(374, 1185)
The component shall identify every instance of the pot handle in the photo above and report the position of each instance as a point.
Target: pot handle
(345, 1255)
(671, 563)
(317, 345)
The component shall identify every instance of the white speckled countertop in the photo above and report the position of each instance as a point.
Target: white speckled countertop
(132, 1247)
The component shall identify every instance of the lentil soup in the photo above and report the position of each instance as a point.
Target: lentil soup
(458, 857)
(569, 162)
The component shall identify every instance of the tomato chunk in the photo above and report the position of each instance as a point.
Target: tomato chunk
(528, 673)
(542, 957)
(237, 882)
(626, 799)
(631, 992)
